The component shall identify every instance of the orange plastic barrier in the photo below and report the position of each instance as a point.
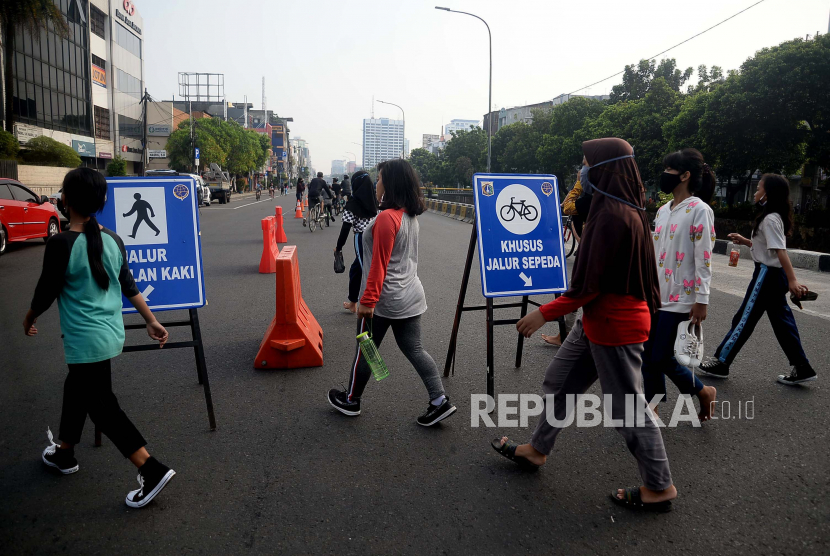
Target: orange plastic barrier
(294, 339)
(268, 261)
(279, 230)
(299, 212)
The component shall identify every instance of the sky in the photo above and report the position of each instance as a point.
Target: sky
(324, 60)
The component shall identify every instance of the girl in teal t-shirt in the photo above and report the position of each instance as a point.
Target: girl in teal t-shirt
(85, 269)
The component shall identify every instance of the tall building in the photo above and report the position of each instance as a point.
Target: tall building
(428, 139)
(162, 120)
(338, 167)
(351, 167)
(382, 140)
(459, 125)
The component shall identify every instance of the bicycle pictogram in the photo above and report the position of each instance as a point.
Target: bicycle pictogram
(524, 211)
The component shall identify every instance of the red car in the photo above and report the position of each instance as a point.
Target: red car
(24, 215)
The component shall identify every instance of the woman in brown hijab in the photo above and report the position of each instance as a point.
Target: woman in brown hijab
(615, 279)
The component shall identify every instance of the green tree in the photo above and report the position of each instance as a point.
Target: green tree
(9, 146)
(470, 144)
(559, 151)
(45, 151)
(264, 149)
(31, 16)
(118, 167)
(637, 80)
(425, 163)
(207, 136)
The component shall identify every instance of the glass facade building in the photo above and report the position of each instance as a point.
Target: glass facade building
(52, 74)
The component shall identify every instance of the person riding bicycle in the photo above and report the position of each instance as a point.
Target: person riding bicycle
(315, 187)
(271, 189)
(328, 195)
(258, 190)
(346, 187)
(336, 187)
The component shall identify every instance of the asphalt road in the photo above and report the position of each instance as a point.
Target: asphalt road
(285, 473)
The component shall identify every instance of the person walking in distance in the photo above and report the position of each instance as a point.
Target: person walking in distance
(772, 279)
(85, 269)
(141, 207)
(360, 211)
(300, 189)
(392, 294)
(615, 279)
(683, 236)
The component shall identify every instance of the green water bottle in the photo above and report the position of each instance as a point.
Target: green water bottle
(372, 356)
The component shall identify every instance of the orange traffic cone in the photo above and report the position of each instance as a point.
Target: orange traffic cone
(299, 212)
(305, 203)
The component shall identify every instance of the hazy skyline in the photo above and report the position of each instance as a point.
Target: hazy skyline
(324, 60)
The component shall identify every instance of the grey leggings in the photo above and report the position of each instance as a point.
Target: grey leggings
(408, 337)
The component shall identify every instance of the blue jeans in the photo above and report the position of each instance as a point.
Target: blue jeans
(767, 292)
(659, 361)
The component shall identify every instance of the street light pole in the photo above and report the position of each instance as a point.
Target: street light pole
(490, 94)
(403, 144)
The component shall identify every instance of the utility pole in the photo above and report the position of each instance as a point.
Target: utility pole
(144, 135)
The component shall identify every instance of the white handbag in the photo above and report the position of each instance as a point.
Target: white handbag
(688, 346)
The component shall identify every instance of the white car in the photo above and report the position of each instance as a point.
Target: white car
(204, 191)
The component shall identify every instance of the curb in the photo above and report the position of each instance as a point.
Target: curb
(456, 211)
(808, 260)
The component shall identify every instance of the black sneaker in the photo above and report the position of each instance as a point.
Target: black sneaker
(715, 368)
(152, 477)
(62, 460)
(798, 374)
(436, 413)
(339, 400)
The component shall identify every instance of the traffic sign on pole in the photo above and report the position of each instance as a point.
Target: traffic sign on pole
(158, 220)
(196, 157)
(520, 245)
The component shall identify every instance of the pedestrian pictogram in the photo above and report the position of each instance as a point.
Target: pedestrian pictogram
(141, 215)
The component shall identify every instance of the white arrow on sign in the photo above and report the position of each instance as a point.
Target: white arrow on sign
(146, 293)
(526, 279)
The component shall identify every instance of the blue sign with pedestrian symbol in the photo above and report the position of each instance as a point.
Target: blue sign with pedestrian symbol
(519, 227)
(158, 220)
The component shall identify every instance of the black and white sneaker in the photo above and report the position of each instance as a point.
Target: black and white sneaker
(715, 368)
(339, 400)
(798, 375)
(152, 477)
(62, 460)
(436, 413)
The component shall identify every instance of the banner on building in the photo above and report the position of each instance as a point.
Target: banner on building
(157, 130)
(99, 76)
(84, 148)
(157, 153)
(25, 132)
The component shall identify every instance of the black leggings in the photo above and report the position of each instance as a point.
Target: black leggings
(88, 390)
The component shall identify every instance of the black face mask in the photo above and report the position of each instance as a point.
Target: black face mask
(63, 210)
(668, 182)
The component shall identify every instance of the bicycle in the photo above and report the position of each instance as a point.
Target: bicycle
(258, 194)
(569, 237)
(339, 206)
(316, 217)
(525, 212)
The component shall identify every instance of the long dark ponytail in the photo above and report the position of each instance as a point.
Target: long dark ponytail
(777, 191)
(86, 192)
(701, 177)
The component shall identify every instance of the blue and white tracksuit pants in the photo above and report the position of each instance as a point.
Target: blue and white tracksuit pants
(767, 292)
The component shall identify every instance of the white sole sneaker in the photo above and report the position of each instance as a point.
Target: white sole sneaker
(439, 418)
(782, 380)
(68, 471)
(149, 498)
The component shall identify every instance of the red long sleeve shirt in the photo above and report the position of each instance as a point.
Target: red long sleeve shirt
(608, 319)
(384, 232)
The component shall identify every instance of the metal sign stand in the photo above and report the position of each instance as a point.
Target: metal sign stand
(489, 307)
(198, 350)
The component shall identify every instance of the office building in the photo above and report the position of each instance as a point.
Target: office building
(84, 90)
(382, 140)
(162, 120)
(351, 167)
(428, 139)
(507, 116)
(459, 125)
(338, 167)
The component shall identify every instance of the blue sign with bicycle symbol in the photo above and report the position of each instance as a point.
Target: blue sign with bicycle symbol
(520, 245)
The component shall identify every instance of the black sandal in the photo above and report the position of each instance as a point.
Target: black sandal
(508, 450)
(633, 500)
